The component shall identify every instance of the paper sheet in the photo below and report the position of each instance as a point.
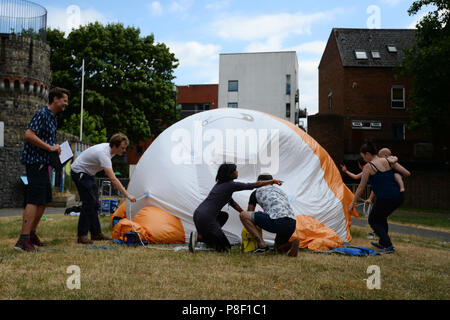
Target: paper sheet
(66, 153)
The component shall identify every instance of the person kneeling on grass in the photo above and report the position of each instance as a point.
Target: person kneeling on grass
(278, 217)
(209, 217)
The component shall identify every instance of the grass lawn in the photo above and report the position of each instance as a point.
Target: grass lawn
(435, 221)
(418, 270)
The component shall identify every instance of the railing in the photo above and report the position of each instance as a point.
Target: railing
(361, 207)
(24, 18)
(106, 189)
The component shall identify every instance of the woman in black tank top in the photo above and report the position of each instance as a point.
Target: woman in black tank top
(389, 197)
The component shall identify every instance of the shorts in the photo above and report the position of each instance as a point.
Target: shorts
(284, 228)
(39, 189)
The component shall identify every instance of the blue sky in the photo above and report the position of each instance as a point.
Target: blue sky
(197, 31)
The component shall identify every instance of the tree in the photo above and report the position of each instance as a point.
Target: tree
(128, 79)
(93, 129)
(428, 65)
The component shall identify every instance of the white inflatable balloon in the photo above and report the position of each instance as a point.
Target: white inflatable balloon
(178, 171)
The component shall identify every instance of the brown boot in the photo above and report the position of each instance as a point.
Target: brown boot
(284, 248)
(100, 237)
(84, 240)
(293, 251)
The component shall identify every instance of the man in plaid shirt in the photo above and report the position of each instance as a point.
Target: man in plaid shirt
(40, 142)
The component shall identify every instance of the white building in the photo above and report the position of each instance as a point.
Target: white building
(267, 82)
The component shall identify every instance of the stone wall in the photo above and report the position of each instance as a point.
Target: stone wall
(25, 78)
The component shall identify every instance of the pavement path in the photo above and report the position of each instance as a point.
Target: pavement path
(397, 228)
(360, 222)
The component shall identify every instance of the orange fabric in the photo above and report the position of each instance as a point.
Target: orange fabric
(314, 235)
(153, 224)
(161, 226)
(331, 174)
(125, 226)
(120, 212)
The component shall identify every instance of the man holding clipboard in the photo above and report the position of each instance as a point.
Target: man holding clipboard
(40, 143)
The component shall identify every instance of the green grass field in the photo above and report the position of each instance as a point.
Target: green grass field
(418, 270)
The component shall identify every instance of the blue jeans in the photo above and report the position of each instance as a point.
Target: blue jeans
(284, 228)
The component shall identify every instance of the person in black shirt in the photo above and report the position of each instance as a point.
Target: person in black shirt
(209, 217)
(40, 142)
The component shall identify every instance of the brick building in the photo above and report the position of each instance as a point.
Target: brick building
(197, 98)
(361, 98)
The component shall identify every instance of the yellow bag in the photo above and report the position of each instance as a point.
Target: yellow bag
(249, 242)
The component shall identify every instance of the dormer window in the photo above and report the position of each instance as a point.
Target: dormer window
(376, 55)
(392, 49)
(361, 55)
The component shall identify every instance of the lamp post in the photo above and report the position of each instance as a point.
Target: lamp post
(82, 101)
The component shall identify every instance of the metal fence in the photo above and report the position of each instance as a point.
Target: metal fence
(106, 189)
(23, 17)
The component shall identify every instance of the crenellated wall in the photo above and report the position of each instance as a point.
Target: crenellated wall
(25, 79)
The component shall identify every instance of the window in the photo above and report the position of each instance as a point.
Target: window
(361, 55)
(392, 49)
(399, 131)
(288, 110)
(376, 55)
(288, 85)
(233, 86)
(233, 105)
(366, 125)
(398, 97)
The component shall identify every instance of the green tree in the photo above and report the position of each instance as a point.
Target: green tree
(128, 78)
(428, 65)
(94, 131)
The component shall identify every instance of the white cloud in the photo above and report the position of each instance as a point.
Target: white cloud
(218, 4)
(65, 19)
(180, 5)
(199, 63)
(309, 85)
(278, 26)
(391, 3)
(155, 8)
(314, 47)
(194, 54)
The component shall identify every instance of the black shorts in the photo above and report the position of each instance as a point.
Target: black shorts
(284, 228)
(39, 189)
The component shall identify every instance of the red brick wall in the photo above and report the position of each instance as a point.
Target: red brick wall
(362, 93)
(331, 75)
(207, 93)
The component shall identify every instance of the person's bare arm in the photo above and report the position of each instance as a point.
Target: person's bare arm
(404, 172)
(32, 138)
(251, 208)
(371, 198)
(362, 185)
(350, 174)
(260, 184)
(116, 183)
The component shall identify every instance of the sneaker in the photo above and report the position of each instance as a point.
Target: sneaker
(260, 250)
(377, 245)
(193, 241)
(36, 241)
(390, 249)
(293, 251)
(25, 245)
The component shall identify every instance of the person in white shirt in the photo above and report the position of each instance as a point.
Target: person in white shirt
(84, 169)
